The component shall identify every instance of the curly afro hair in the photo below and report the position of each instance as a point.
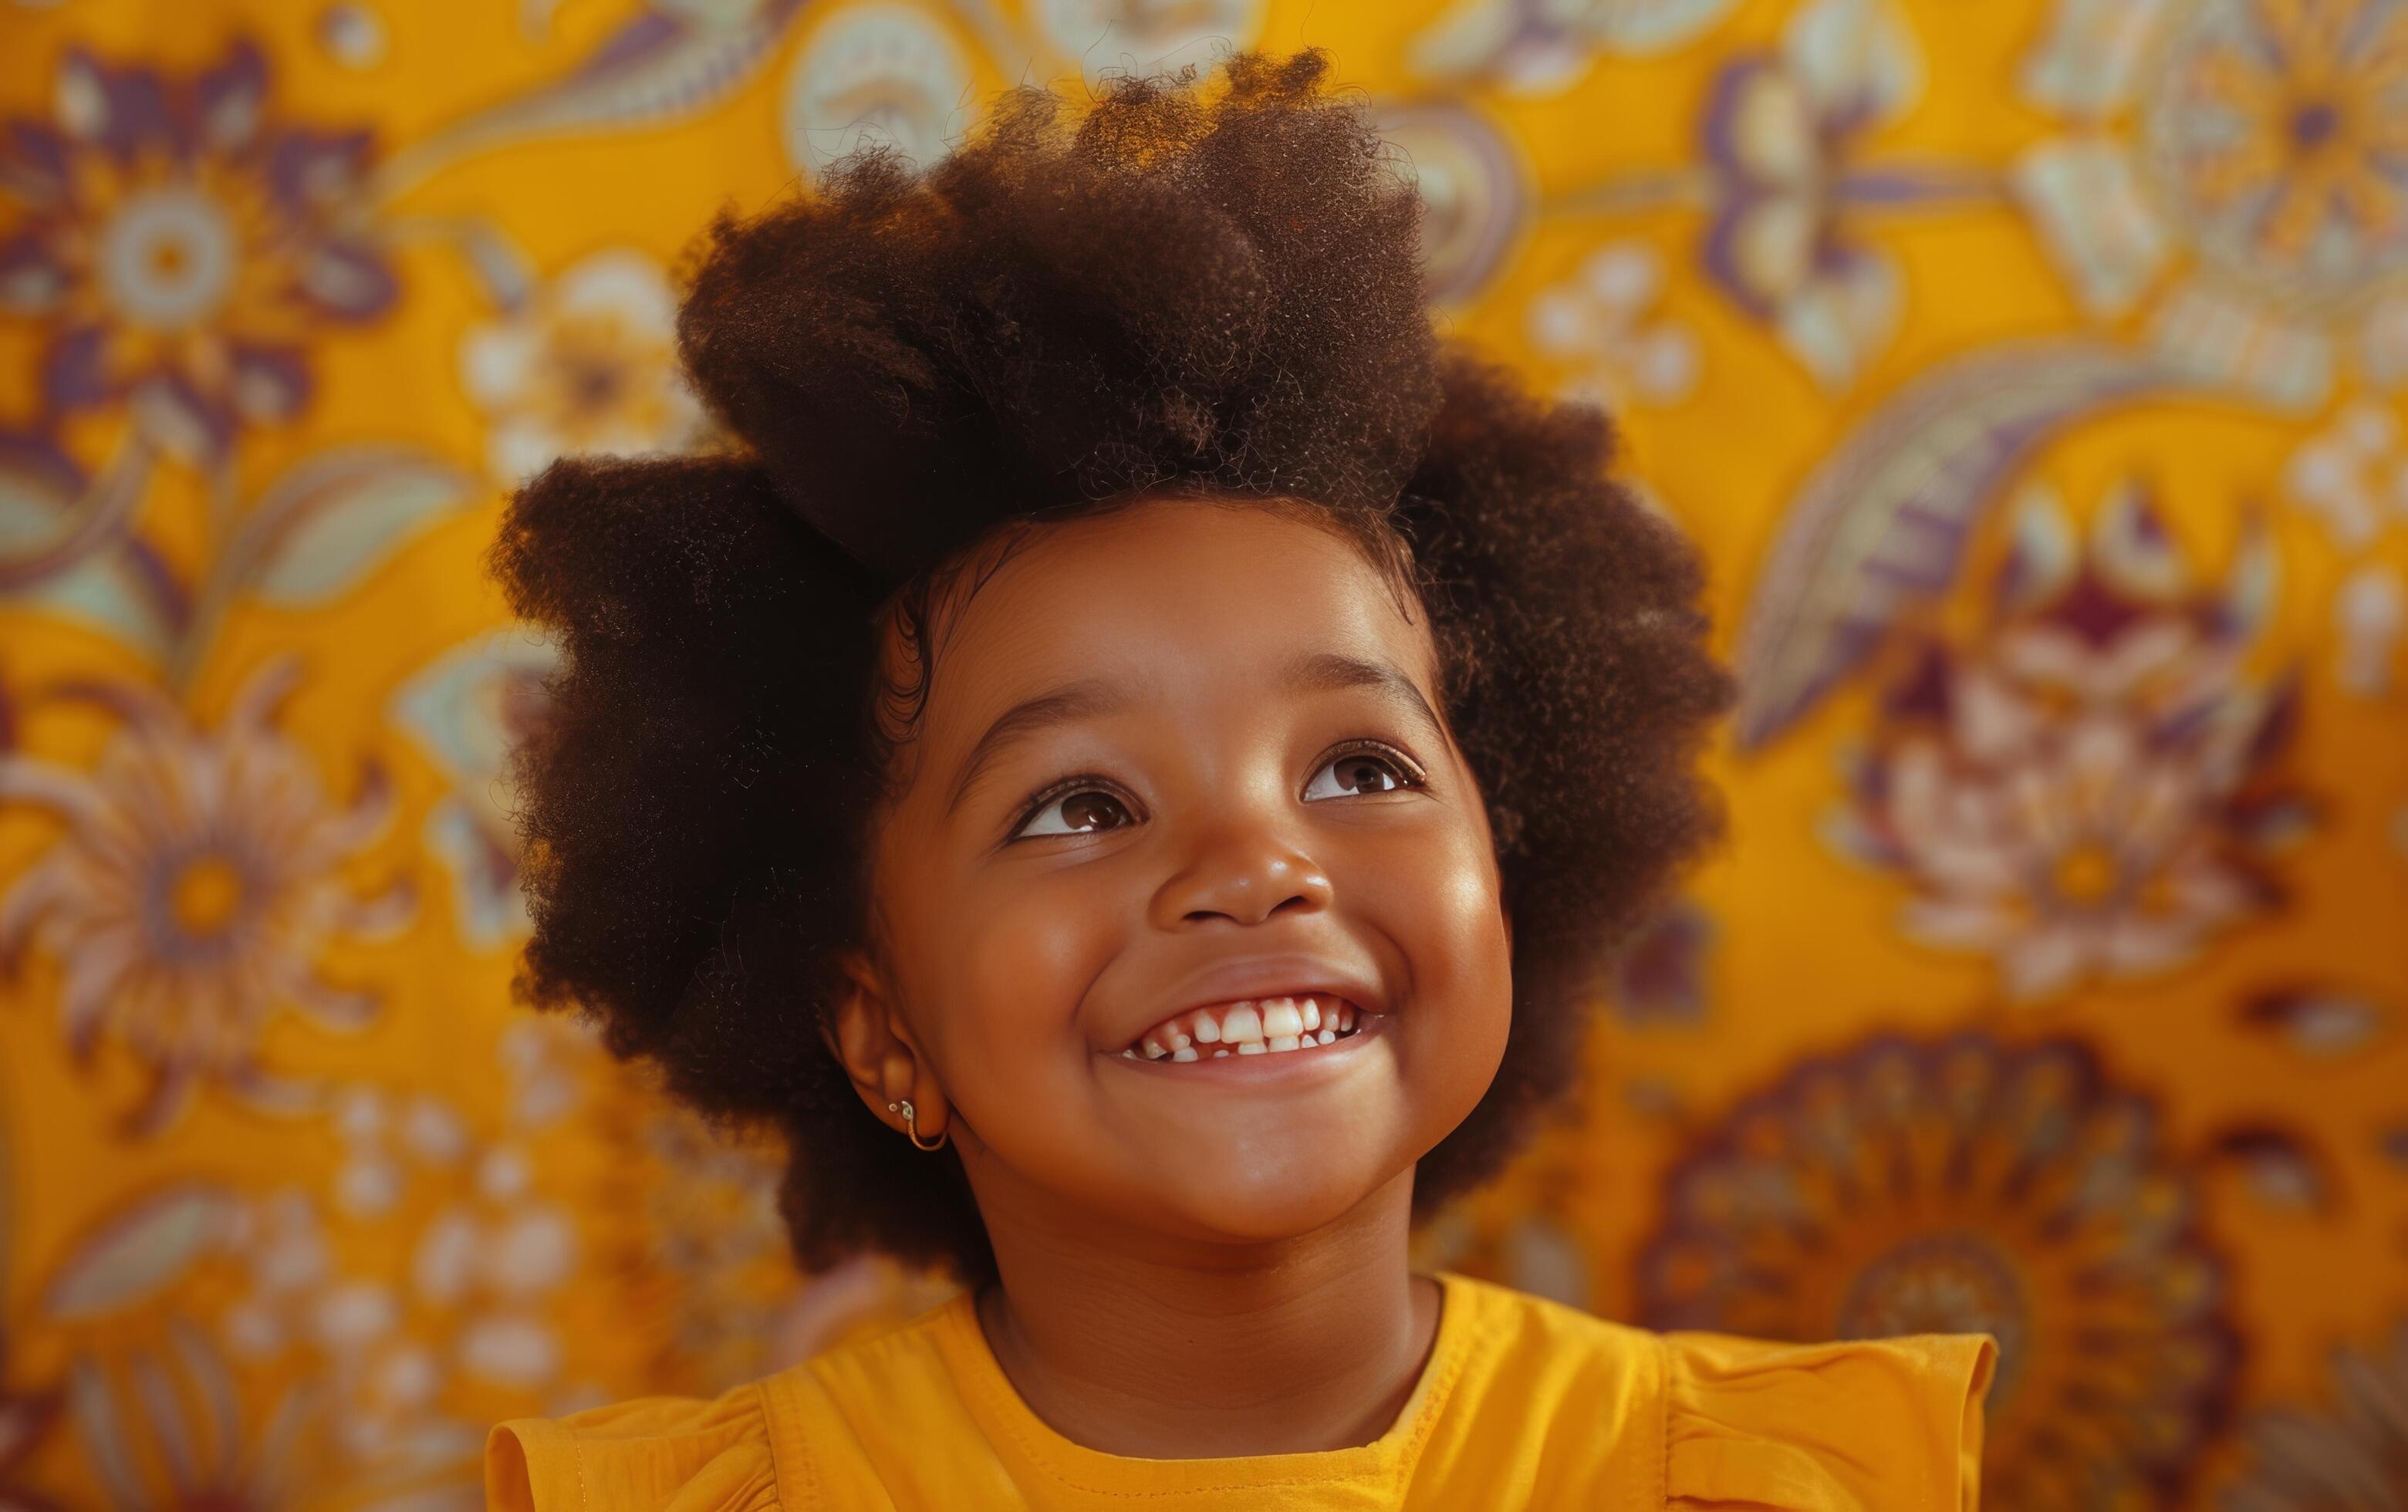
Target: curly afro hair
(1188, 288)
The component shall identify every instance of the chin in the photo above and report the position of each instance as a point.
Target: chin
(1276, 1205)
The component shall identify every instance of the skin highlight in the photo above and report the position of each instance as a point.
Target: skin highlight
(1193, 1266)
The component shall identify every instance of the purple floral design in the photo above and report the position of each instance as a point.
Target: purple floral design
(180, 247)
(1968, 1185)
(196, 883)
(2091, 785)
(1781, 134)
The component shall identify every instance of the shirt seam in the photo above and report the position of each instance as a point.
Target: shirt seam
(777, 1464)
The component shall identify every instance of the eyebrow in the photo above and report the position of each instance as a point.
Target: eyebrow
(1313, 672)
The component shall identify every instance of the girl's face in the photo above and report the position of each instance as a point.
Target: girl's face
(1174, 757)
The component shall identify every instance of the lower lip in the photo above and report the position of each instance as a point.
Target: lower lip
(1269, 1066)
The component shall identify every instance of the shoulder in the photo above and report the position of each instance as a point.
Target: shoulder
(684, 1454)
(1717, 1420)
(1854, 1423)
(786, 1443)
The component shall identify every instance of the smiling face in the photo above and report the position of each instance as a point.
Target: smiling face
(1172, 756)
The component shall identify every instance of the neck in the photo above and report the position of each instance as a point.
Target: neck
(1180, 1351)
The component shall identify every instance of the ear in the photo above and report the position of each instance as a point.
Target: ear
(877, 1050)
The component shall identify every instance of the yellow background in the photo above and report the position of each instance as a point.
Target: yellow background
(1815, 253)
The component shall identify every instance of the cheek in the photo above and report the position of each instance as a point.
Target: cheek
(1441, 908)
(1018, 960)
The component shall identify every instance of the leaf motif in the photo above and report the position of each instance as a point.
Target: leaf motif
(1882, 523)
(141, 1250)
(666, 63)
(64, 547)
(330, 519)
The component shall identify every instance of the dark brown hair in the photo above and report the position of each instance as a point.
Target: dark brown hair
(1187, 288)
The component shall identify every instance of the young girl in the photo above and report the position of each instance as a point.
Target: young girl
(1132, 765)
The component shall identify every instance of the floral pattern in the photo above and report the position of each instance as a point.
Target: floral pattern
(589, 364)
(1599, 318)
(196, 883)
(2092, 790)
(181, 247)
(2353, 478)
(2231, 168)
(2352, 1454)
(1535, 47)
(2027, 371)
(1968, 1185)
(1779, 132)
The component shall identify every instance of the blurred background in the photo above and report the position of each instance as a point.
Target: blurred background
(2028, 370)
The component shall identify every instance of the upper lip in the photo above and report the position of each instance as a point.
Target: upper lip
(1257, 976)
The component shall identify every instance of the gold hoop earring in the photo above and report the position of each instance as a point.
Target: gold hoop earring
(911, 1126)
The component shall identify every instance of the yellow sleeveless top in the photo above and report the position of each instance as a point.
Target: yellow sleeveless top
(1524, 1402)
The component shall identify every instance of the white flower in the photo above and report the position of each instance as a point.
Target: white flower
(1598, 318)
(588, 365)
(2081, 790)
(1781, 132)
(196, 885)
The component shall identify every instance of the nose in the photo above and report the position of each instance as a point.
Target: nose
(1242, 873)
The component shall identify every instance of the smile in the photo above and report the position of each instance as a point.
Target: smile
(1251, 1026)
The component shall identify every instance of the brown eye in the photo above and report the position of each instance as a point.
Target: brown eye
(1082, 811)
(1359, 772)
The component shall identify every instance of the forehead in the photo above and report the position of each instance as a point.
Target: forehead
(1165, 594)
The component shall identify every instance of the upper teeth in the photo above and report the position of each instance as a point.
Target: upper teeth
(1250, 1026)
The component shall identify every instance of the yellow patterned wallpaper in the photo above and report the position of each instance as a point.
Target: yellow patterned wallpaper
(2029, 368)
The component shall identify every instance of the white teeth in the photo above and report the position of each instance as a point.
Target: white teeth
(1252, 1026)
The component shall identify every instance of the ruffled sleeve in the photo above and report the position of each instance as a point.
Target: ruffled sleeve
(668, 1452)
(1867, 1425)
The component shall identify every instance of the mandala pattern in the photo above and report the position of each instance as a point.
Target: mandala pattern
(181, 249)
(2027, 371)
(1968, 1185)
(2234, 168)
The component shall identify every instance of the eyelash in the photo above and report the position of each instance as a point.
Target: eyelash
(1408, 770)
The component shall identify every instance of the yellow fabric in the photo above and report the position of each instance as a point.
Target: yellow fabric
(1522, 1404)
